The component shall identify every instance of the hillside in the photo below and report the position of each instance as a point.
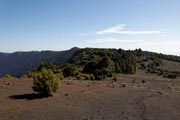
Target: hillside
(149, 92)
(159, 64)
(98, 62)
(103, 63)
(19, 63)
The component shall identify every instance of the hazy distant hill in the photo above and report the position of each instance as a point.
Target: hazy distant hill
(19, 63)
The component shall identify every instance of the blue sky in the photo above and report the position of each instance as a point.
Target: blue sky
(61, 24)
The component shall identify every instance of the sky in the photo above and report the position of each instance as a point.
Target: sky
(152, 25)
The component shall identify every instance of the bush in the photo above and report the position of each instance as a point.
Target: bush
(79, 77)
(115, 77)
(70, 78)
(69, 70)
(8, 76)
(24, 76)
(99, 74)
(29, 74)
(50, 66)
(45, 82)
(89, 77)
(172, 76)
(92, 77)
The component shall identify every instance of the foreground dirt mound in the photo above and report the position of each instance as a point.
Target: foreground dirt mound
(126, 99)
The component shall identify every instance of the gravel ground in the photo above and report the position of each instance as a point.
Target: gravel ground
(126, 99)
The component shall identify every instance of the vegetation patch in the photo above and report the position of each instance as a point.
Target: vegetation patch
(45, 82)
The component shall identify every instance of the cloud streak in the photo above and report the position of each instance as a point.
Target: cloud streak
(113, 40)
(119, 29)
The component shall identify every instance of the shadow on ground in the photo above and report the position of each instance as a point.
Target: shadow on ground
(31, 96)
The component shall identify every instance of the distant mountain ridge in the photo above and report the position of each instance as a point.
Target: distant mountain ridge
(18, 63)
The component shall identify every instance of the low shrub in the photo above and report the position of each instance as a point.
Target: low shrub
(45, 82)
(115, 77)
(172, 76)
(92, 77)
(24, 76)
(8, 76)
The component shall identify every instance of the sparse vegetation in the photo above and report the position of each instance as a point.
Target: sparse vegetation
(8, 76)
(172, 76)
(69, 70)
(24, 76)
(115, 77)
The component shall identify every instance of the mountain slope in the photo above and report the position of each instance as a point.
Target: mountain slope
(19, 63)
(91, 59)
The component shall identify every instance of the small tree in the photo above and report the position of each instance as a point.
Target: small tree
(69, 70)
(45, 82)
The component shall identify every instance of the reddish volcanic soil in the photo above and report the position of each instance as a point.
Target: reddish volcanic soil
(126, 99)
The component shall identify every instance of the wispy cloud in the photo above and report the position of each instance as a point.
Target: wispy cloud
(119, 29)
(84, 34)
(113, 40)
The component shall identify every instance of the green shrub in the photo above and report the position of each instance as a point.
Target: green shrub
(156, 61)
(24, 76)
(92, 77)
(78, 77)
(69, 70)
(99, 74)
(29, 74)
(70, 78)
(45, 82)
(115, 77)
(87, 77)
(8, 76)
(50, 66)
(172, 76)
